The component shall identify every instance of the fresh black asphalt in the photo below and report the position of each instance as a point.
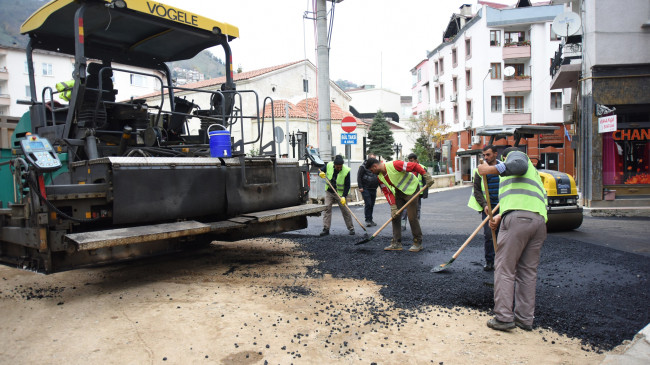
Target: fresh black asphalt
(597, 294)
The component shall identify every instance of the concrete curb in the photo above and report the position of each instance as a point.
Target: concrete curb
(635, 352)
(617, 212)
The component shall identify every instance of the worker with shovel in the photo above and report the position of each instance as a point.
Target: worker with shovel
(522, 200)
(339, 176)
(477, 202)
(398, 174)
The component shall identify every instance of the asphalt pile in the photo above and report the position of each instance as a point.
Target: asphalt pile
(592, 293)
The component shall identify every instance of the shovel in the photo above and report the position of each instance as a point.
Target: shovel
(350, 210)
(391, 218)
(442, 267)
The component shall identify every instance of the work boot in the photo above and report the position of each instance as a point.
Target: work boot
(373, 223)
(523, 326)
(417, 245)
(394, 246)
(352, 232)
(369, 223)
(495, 324)
(488, 267)
(325, 232)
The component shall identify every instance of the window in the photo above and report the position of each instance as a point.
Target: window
(519, 70)
(496, 104)
(468, 48)
(469, 109)
(554, 37)
(514, 104)
(435, 65)
(468, 79)
(454, 84)
(442, 92)
(419, 75)
(495, 38)
(454, 58)
(437, 95)
(455, 113)
(137, 80)
(28, 92)
(556, 100)
(626, 151)
(514, 37)
(442, 116)
(419, 96)
(442, 65)
(47, 69)
(495, 71)
(549, 161)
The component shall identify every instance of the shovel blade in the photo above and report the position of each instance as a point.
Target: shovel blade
(442, 267)
(364, 241)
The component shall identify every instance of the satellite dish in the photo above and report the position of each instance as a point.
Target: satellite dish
(566, 24)
(509, 71)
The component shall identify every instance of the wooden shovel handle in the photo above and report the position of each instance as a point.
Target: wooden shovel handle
(349, 210)
(400, 210)
(487, 199)
(471, 237)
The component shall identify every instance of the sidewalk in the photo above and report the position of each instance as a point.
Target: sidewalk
(636, 352)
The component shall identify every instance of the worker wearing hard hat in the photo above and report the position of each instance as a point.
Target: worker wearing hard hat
(339, 177)
(522, 219)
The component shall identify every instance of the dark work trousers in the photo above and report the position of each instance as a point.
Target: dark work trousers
(369, 197)
(489, 246)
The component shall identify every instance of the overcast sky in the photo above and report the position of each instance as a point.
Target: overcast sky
(366, 34)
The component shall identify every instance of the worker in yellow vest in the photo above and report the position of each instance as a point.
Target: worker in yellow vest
(412, 157)
(339, 176)
(477, 202)
(399, 175)
(65, 89)
(522, 218)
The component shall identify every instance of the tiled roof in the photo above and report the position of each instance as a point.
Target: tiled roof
(336, 113)
(279, 110)
(220, 80)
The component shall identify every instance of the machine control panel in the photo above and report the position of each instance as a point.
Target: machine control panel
(39, 152)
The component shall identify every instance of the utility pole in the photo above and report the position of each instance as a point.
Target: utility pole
(324, 112)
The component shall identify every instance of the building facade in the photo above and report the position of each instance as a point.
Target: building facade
(605, 60)
(491, 70)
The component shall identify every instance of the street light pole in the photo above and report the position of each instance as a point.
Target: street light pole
(483, 101)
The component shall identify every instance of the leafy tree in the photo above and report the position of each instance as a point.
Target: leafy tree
(430, 132)
(381, 137)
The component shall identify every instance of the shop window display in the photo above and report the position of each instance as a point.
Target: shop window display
(626, 151)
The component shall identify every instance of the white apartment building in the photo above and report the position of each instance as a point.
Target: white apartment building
(469, 87)
(50, 68)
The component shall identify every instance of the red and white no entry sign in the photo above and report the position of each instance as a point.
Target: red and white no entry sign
(349, 124)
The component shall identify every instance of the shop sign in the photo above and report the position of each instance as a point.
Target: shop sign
(607, 124)
(631, 135)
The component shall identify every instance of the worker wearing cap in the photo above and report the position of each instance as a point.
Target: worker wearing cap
(398, 174)
(339, 177)
(412, 157)
(522, 218)
(477, 202)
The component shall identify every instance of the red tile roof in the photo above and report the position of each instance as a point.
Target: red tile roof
(279, 110)
(307, 109)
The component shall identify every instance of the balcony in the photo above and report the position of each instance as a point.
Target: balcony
(4, 74)
(566, 65)
(512, 84)
(516, 116)
(454, 97)
(5, 100)
(517, 50)
(436, 78)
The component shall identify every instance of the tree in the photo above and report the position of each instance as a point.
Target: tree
(381, 137)
(431, 133)
(425, 150)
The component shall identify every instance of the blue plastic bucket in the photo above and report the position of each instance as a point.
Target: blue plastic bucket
(220, 144)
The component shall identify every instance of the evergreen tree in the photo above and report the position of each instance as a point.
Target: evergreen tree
(381, 137)
(424, 149)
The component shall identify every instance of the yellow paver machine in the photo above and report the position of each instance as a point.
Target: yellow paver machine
(108, 177)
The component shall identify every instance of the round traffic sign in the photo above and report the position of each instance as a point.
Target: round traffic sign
(279, 134)
(349, 124)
